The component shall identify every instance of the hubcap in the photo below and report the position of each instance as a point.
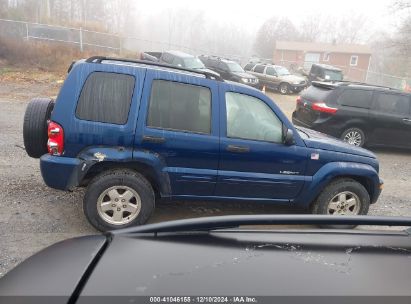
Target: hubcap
(119, 205)
(344, 203)
(283, 89)
(353, 138)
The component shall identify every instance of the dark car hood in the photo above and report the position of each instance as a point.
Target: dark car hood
(244, 75)
(55, 271)
(317, 140)
(209, 71)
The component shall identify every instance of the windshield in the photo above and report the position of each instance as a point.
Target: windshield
(193, 63)
(234, 67)
(333, 75)
(282, 71)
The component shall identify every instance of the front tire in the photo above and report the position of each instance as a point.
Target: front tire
(354, 136)
(284, 88)
(343, 196)
(118, 199)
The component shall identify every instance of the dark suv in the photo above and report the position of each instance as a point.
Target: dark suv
(135, 132)
(229, 70)
(325, 72)
(360, 114)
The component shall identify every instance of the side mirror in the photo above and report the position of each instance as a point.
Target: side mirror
(289, 137)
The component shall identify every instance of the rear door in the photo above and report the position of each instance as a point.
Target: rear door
(258, 72)
(176, 126)
(391, 119)
(254, 162)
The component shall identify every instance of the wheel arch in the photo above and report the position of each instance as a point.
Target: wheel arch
(329, 173)
(364, 181)
(144, 169)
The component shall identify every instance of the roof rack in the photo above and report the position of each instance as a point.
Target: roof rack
(234, 221)
(100, 59)
(334, 83)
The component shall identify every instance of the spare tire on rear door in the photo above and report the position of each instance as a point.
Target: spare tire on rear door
(35, 137)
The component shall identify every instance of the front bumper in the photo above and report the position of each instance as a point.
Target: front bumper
(297, 87)
(378, 191)
(61, 173)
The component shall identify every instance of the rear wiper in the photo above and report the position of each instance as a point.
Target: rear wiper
(234, 221)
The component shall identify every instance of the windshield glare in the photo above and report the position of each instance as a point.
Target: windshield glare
(282, 71)
(234, 67)
(193, 63)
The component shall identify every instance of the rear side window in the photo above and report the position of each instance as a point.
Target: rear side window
(259, 68)
(248, 66)
(392, 103)
(316, 93)
(106, 97)
(180, 107)
(356, 98)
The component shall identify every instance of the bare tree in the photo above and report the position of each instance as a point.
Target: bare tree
(274, 29)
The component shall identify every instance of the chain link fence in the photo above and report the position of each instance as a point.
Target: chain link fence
(93, 40)
(358, 75)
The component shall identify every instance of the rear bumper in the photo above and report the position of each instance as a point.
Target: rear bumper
(59, 172)
(298, 122)
(325, 127)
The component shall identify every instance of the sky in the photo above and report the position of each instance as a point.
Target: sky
(252, 13)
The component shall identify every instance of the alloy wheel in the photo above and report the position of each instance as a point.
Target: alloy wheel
(119, 205)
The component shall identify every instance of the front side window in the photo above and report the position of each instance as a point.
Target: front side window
(251, 118)
(282, 71)
(393, 103)
(356, 98)
(106, 97)
(271, 71)
(179, 107)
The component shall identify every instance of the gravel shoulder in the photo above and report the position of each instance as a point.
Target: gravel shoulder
(34, 216)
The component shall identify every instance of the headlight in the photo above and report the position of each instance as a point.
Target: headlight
(244, 79)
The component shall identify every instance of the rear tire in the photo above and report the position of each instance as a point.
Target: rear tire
(35, 137)
(354, 136)
(343, 196)
(117, 199)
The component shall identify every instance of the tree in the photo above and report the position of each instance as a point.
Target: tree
(274, 29)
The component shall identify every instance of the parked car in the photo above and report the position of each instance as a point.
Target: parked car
(276, 77)
(135, 132)
(229, 70)
(324, 72)
(201, 261)
(177, 58)
(359, 114)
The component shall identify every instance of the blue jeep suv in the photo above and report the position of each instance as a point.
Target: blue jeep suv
(135, 132)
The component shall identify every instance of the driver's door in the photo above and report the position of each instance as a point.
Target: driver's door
(254, 162)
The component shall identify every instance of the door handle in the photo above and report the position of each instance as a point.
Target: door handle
(406, 120)
(238, 149)
(154, 139)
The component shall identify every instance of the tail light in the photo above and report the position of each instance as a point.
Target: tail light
(55, 144)
(322, 107)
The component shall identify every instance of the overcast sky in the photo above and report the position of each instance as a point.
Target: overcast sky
(251, 13)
